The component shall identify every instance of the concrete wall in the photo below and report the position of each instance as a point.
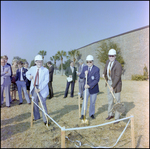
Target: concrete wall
(134, 49)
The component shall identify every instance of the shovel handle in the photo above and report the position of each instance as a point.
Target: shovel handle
(41, 104)
(110, 89)
(85, 95)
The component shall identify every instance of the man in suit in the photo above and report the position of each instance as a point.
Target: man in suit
(21, 81)
(112, 73)
(5, 57)
(93, 76)
(71, 74)
(51, 71)
(81, 81)
(5, 82)
(40, 76)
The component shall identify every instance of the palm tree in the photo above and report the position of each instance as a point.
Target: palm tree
(54, 58)
(43, 53)
(60, 54)
(75, 54)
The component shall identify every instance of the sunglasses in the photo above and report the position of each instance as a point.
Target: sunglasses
(111, 55)
(88, 61)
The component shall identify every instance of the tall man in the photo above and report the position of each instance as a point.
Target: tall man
(40, 75)
(112, 73)
(21, 81)
(5, 57)
(51, 71)
(93, 76)
(5, 82)
(81, 81)
(71, 74)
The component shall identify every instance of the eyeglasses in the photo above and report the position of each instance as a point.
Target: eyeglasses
(88, 61)
(111, 55)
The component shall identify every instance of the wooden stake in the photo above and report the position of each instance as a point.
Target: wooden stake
(63, 138)
(79, 103)
(132, 132)
(31, 113)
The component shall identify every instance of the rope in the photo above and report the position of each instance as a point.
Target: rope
(87, 127)
(62, 128)
(101, 146)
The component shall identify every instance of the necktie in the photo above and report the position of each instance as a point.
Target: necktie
(89, 71)
(3, 68)
(37, 76)
(20, 73)
(109, 68)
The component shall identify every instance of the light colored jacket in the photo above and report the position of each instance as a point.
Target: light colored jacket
(43, 79)
(5, 77)
(80, 70)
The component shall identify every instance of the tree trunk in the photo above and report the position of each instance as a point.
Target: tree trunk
(62, 67)
(55, 67)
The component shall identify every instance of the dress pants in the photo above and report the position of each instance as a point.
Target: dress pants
(111, 101)
(67, 88)
(50, 89)
(5, 88)
(22, 84)
(81, 86)
(36, 108)
(92, 103)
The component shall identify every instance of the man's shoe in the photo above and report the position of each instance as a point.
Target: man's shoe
(8, 106)
(92, 116)
(81, 117)
(29, 103)
(65, 97)
(71, 96)
(116, 122)
(109, 117)
(46, 123)
(20, 103)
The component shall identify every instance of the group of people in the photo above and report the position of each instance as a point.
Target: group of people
(40, 83)
(112, 74)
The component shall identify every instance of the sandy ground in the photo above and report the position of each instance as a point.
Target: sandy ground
(17, 133)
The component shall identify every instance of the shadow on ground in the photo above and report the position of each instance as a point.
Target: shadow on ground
(8, 131)
(128, 107)
(17, 118)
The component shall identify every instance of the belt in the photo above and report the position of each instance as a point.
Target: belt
(22, 80)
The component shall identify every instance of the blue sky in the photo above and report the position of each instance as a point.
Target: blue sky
(28, 27)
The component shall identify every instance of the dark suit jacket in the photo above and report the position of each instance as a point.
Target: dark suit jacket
(69, 72)
(51, 71)
(116, 72)
(92, 79)
(11, 71)
(17, 78)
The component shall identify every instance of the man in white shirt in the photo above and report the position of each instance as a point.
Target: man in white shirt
(40, 76)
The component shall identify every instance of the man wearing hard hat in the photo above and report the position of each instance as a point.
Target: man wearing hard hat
(92, 88)
(40, 76)
(112, 74)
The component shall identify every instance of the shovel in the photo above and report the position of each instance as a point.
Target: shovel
(117, 106)
(85, 121)
(41, 105)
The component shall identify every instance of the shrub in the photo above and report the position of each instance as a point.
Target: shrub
(141, 77)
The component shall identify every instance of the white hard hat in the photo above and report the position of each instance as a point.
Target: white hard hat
(112, 52)
(89, 58)
(38, 57)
